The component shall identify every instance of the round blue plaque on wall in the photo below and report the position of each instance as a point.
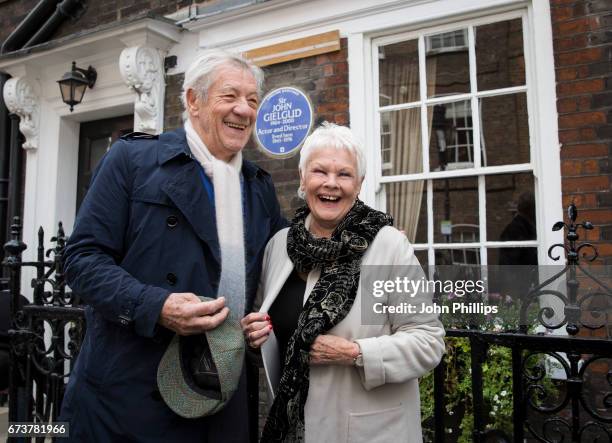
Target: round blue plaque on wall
(283, 121)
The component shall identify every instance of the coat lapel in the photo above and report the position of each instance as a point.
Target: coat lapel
(276, 276)
(186, 191)
(280, 267)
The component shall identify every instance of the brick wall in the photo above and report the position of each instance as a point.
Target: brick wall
(582, 33)
(12, 12)
(96, 13)
(173, 109)
(324, 78)
(102, 12)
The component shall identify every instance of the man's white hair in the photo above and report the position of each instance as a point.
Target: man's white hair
(330, 135)
(201, 73)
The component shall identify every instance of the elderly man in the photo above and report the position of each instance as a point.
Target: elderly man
(168, 218)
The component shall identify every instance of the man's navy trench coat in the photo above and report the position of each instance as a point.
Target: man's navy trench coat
(146, 229)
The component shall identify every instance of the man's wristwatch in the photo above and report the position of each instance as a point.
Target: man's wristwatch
(358, 361)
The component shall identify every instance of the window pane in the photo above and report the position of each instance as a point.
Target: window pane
(400, 142)
(398, 73)
(455, 210)
(448, 66)
(505, 130)
(407, 203)
(512, 256)
(451, 141)
(504, 266)
(510, 207)
(500, 61)
(458, 257)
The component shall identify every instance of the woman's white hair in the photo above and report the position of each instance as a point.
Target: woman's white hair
(201, 73)
(330, 135)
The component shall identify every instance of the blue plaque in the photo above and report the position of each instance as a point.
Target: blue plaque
(283, 121)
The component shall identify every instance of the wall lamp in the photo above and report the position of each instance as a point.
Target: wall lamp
(74, 83)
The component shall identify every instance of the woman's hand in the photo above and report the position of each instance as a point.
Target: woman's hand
(333, 350)
(256, 328)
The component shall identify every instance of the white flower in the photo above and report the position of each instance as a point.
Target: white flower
(495, 397)
(492, 413)
(449, 430)
(503, 393)
(451, 412)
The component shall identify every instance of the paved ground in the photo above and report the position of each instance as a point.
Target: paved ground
(3, 423)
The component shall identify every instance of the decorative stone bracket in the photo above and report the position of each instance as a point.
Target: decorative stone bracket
(21, 99)
(142, 68)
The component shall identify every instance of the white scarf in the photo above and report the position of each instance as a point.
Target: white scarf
(229, 216)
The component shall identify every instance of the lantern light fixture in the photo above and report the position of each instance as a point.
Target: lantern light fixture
(74, 83)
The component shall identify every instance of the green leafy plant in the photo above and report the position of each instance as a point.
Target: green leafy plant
(497, 392)
(496, 370)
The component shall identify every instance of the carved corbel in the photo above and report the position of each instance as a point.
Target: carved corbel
(142, 69)
(21, 99)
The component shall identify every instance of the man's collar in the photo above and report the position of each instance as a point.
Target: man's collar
(249, 170)
(174, 144)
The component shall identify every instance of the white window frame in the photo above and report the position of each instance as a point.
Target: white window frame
(540, 90)
(385, 165)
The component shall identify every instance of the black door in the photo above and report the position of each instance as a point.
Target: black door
(95, 140)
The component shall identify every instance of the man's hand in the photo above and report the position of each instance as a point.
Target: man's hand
(333, 350)
(185, 314)
(256, 328)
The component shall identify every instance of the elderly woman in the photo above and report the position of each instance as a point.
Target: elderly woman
(334, 379)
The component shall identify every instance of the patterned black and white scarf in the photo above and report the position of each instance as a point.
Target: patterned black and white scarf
(331, 299)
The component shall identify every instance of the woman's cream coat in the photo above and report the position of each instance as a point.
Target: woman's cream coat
(379, 402)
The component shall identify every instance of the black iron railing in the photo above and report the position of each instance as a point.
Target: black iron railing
(45, 335)
(577, 406)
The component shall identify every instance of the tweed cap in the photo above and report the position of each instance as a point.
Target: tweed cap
(176, 382)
